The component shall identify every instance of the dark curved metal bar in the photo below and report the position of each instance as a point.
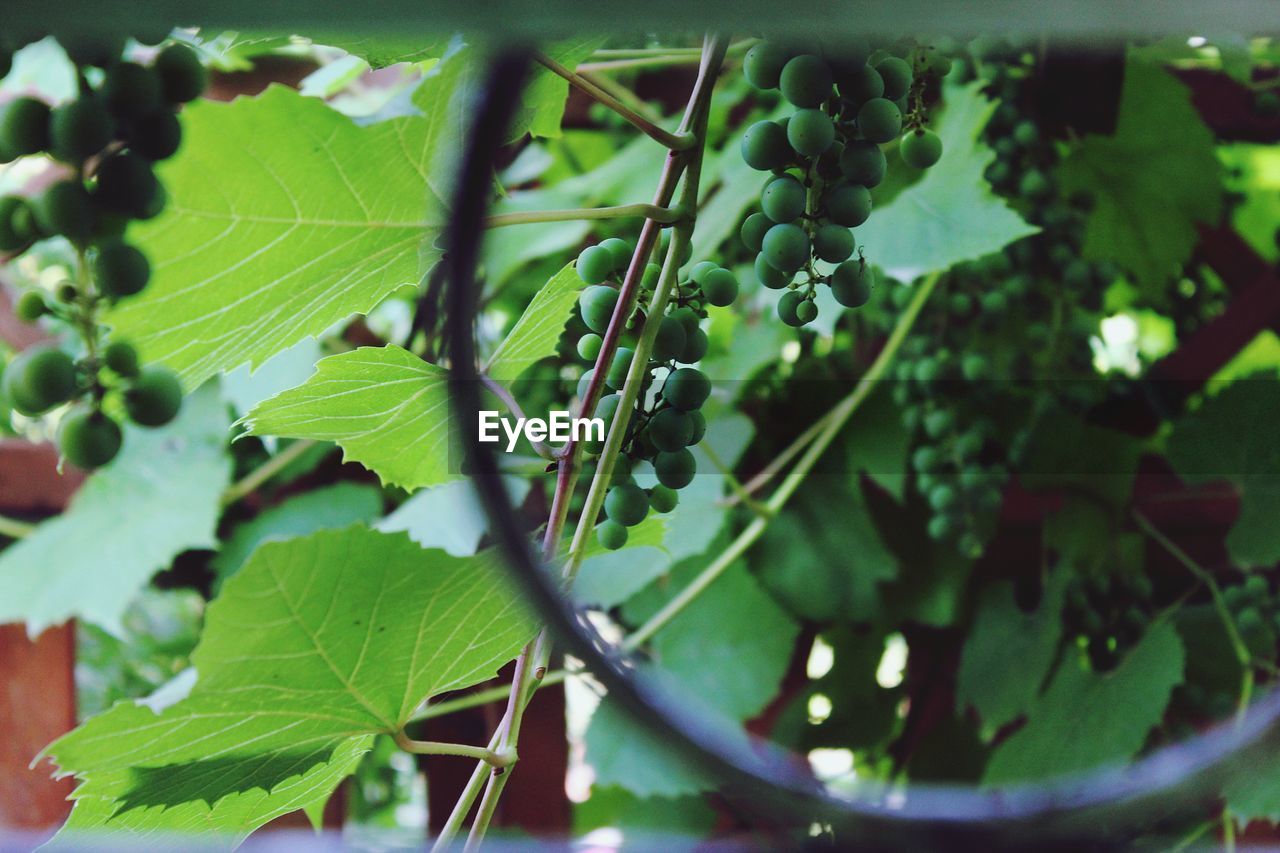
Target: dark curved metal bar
(1099, 806)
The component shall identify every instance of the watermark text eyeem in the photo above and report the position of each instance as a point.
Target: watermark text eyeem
(557, 427)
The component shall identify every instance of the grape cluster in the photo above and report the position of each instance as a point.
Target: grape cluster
(107, 140)
(1108, 614)
(825, 158)
(667, 420)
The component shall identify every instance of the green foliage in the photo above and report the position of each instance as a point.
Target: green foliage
(535, 335)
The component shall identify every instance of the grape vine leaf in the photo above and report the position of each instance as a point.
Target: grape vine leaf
(160, 497)
(315, 645)
(1152, 181)
(536, 333)
(1085, 719)
(951, 214)
(386, 408)
(284, 217)
(449, 517)
(1230, 438)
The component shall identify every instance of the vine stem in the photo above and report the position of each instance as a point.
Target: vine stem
(492, 757)
(655, 212)
(265, 471)
(832, 425)
(15, 529)
(679, 141)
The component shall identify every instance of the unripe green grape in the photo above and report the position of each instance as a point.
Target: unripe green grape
(863, 163)
(30, 306)
(622, 473)
(974, 367)
(182, 77)
(39, 379)
(663, 499)
(597, 304)
(847, 204)
(17, 223)
(688, 318)
(154, 397)
(805, 81)
(828, 165)
(786, 247)
(1026, 134)
(720, 287)
(763, 64)
(754, 227)
(782, 199)
(994, 303)
(649, 280)
(833, 243)
(686, 389)
(594, 264)
(787, 306)
(765, 146)
(810, 132)
(699, 272)
(24, 128)
(127, 185)
(695, 347)
(943, 497)
(120, 269)
(675, 470)
(920, 149)
(121, 357)
(896, 74)
(611, 535)
(670, 429)
(80, 129)
(89, 439)
(619, 251)
(618, 368)
(942, 527)
(770, 276)
(65, 209)
(806, 311)
(851, 283)
(1034, 185)
(626, 504)
(664, 244)
(926, 459)
(862, 85)
(969, 445)
(606, 410)
(939, 423)
(880, 120)
(157, 136)
(131, 91)
(589, 346)
(670, 341)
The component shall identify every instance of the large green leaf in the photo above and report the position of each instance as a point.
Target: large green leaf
(160, 497)
(284, 218)
(536, 333)
(1086, 719)
(1151, 182)
(314, 646)
(949, 215)
(386, 408)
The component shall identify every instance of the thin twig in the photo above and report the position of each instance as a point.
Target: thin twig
(255, 478)
(509, 400)
(493, 758)
(15, 529)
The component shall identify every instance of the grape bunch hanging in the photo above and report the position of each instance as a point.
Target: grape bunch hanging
(104, 143)
(825, 158)
(665, 422)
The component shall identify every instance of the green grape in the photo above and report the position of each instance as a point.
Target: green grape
(720, 287)
(833, 243)
(942, 527)
(17, 223)
(611, 535)
(24, 128)
(943, 497)
(120, 269)
(805, 81)
(896, 74)
(969, 446)
(847, 204)
(688, 318)
(975, 367)
(182, 77)
(969, 545)
(695, 347)
(782, 199)
(157, 136)
(828, 165)
(650, 278)
(806, 311)
(939, 423)
(597, 303)
(584, 381)
(810, 132)
(765, 146)
(619, 252)
(1077, 275)
(65, 209)
(851, 284)
(30, 307)
(663, 499)
(786, 247)
(131, 91)
(618, 368)
(670, 429)
(589, 346)
(1256, 587)
(762, 65)
(754, 227)
(699, 427)
(594, 264)
(686, 389)
(626, 504)
(80, 129)
(1026, 134)
(788, 306)
(994, 303)
(89, 439)
(880, 120)
(1034, 185)
(670, 341)
(927, 459)
(154, 397)
(863, 163)
(127, 185)
(121, 357)
(769, 276)
(39, 379)
(675, 470)
(606, 410)
(700, 270)
(862, 85)
(920, 149)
